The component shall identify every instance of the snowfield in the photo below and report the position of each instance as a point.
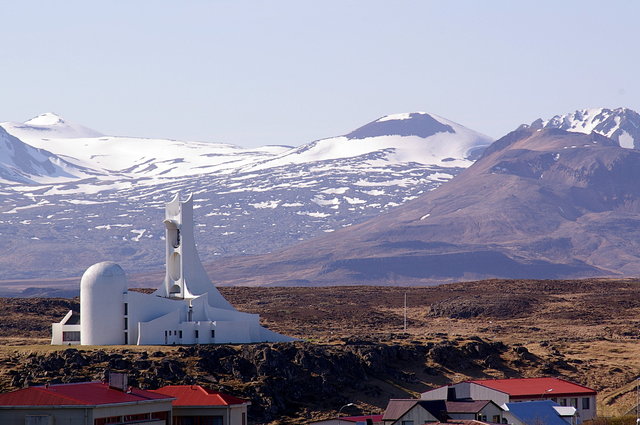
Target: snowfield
(102, 197)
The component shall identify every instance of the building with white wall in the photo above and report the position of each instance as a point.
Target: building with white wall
(186, 309)
(501, 391)
(85, 403)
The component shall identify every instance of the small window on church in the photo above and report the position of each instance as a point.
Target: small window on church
(197, 336)
(126, 309)
(180, 335)
(213, 333)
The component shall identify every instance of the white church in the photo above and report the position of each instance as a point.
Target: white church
(186, 309)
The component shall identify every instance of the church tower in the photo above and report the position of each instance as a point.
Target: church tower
(185, 276)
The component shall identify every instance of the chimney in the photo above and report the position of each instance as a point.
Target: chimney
(118, 381)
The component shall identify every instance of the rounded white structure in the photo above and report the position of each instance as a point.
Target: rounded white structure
(102, 309)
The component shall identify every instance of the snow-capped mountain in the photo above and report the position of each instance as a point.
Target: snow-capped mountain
(129, 157)
(394, 139)
(620, 124)
(246, 200)
(47, 126)
(22, 163)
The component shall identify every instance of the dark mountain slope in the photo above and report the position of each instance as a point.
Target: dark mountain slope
(538, 204)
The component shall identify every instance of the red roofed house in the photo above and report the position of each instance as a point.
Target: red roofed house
(195, 405)
(86, 403)
(503, 391)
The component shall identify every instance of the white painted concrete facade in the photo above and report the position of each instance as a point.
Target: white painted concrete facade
(186, 309)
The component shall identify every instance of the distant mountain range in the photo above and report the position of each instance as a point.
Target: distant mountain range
(71, 196)
(540, 203)
(555, 198)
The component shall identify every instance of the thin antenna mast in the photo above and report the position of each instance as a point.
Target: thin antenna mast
(405, 311)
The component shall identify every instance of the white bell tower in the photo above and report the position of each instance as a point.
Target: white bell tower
(185, 276)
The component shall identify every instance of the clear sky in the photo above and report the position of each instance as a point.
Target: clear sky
(289, 72)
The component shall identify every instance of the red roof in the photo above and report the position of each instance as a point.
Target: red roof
(535, 387)
(195, 395)
(78, 394)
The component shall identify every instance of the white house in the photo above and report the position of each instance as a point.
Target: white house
(501, 391)
(186, 309)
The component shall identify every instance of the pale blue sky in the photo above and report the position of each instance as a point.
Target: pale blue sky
(289, 72)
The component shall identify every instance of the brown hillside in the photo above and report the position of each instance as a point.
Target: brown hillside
(357, 350)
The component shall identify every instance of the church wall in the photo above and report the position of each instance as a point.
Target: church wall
(145, 308)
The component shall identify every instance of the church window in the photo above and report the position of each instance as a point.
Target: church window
(71, 336)
(197, 336)
(213, 333)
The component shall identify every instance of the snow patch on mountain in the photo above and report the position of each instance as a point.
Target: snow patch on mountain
(22, 163)
(620, 124)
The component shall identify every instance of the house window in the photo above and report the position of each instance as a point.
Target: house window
(563, 402)
(197, 334)
(574, 402)
(586, 403)
(37, 420)
(496, 419)
(244, 418)
(407, 422)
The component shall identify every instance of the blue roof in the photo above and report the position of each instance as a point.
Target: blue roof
(536, 412)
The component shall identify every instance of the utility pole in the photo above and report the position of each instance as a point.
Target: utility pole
(405, 311)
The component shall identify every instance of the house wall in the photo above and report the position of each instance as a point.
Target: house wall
(132, 409)
(575, 400)
(80, 415)
(231, 415)
(480, 392)
(418, 415)
(435, 394)
(489, 411)
(75, 416)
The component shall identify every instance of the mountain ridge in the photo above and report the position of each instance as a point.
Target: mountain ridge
(553, 202)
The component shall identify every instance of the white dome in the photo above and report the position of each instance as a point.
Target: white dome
(104, 273)
(102, 304)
